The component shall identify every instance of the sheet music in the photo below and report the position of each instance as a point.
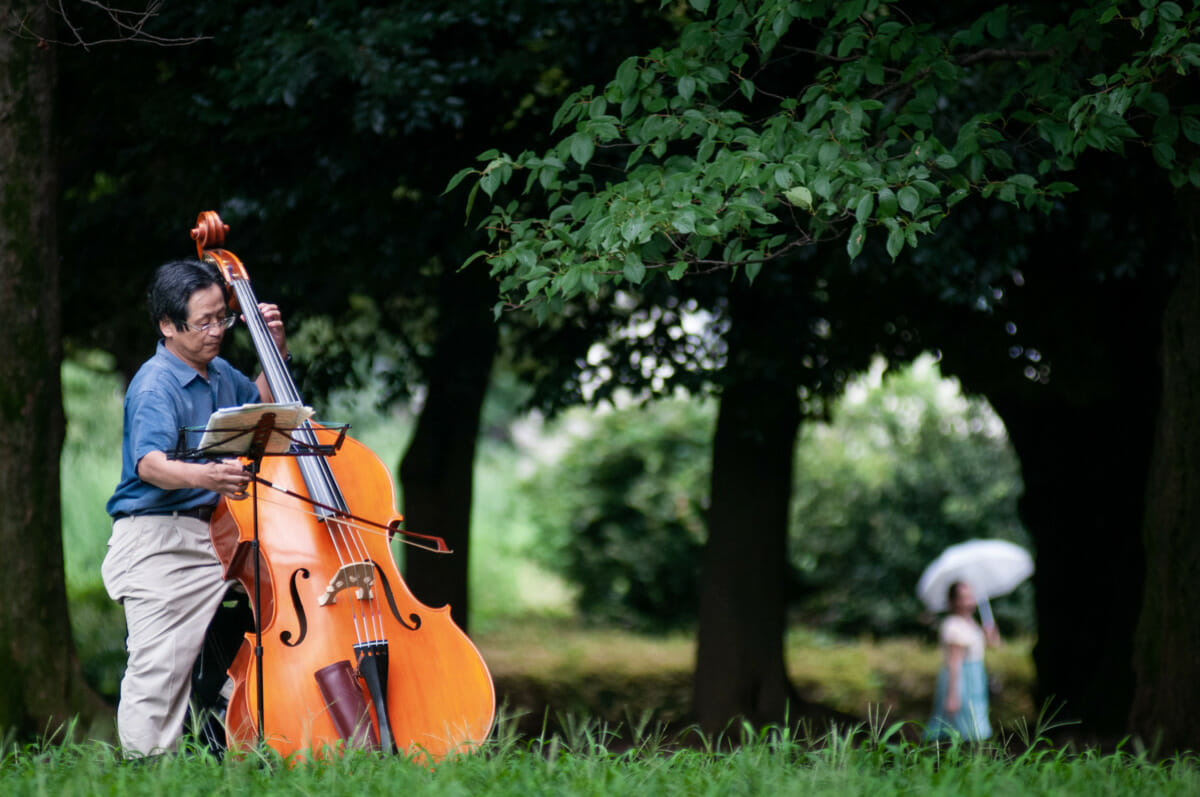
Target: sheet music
(230, 431)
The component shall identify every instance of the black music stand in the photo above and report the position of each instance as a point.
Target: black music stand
(254, 442)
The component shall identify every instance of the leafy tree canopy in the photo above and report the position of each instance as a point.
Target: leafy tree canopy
(775, 124)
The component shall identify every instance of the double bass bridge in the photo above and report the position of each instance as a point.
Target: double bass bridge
(358, 576)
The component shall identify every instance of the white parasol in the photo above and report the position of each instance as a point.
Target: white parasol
(991, 567)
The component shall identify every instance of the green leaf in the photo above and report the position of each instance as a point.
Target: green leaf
(863, 210)
(1191, 128)
(874, 71)
(910, 199)
(567, 283)
(635, 269)
(526, 262)
(1155, 102)
(998, 22)
(856, 241)
(887, 203)
(857, 168)
(474, 256)
(799, 196)
(828, 153)
(685, 222)
(687, 87)
(1171, 12)
(458, 178)
(895, 241)
(1164, 154)
(1061, 188)
(489, 182)
(975, 167)
(632, 231)
(582, 149)
(927, 188)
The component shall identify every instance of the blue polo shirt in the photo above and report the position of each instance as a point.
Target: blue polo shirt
(166, 394)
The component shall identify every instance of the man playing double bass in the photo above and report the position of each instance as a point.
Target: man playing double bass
(160, 564)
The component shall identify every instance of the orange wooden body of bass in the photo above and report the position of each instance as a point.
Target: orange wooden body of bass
(440, 694)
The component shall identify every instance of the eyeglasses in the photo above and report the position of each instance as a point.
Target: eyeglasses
(221, 323)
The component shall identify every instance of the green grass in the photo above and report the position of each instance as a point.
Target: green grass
(590, 760)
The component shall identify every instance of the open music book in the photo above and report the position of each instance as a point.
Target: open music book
(230, 431)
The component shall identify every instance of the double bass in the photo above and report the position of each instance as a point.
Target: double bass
(343, 654)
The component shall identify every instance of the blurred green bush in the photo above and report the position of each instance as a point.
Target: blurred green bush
(905, 466)
(621, 513)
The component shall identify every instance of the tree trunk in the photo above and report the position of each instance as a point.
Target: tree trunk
(1078, 462)
(437, 471)
(41, 685)
(1167, 650)
(740, 669)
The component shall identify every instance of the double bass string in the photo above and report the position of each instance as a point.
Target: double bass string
(347, 543)
(317, 476)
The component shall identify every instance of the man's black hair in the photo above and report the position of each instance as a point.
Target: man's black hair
(172, 286)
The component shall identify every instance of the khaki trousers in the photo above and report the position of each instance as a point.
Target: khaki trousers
(163, 570)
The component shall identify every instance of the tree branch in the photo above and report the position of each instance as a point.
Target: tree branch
(129, 26)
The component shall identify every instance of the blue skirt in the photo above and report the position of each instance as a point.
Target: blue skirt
(971, 720)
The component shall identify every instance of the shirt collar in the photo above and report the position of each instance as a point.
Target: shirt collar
(182, 372)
